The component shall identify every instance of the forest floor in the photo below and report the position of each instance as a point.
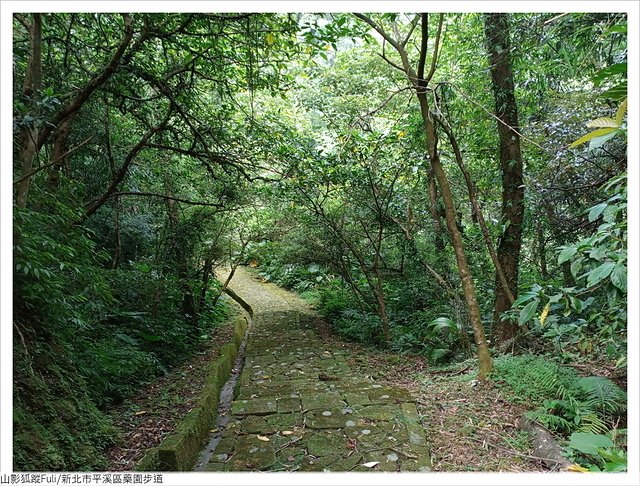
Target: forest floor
(469, 426)
(308, 400)
(156, 409)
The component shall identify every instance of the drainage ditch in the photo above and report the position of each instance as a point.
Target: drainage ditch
(226, 398)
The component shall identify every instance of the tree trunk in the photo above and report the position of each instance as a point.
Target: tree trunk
(206, 273)
(419, 82)
(182, 267)
(117, 240)
(59, 156)
(478, 217)
(225, 285)
(498, 45)
(29, 131)
(468, 287)
(378, 291)
(484, 358)
(542, 251)
(435, 211)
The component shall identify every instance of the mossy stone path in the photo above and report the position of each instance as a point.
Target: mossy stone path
(299, 406)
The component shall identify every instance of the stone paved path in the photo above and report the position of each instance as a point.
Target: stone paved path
(299, 407)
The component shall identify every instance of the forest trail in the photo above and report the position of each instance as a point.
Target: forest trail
(300, 407)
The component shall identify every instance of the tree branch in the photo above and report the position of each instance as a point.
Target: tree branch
(94, 205)
(379, 30)
(424, 45)
(164, 196)
(53, 162)
(436, 51)
(414, 23)
(74, 105)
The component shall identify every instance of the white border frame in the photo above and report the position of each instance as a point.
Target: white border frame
(632, 7)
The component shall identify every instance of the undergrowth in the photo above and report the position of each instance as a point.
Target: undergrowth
(585, 410)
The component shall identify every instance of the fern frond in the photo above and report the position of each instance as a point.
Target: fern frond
(600, 393)
(592, 424)
(549, 420)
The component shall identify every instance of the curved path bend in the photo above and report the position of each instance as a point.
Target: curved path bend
(300, 407)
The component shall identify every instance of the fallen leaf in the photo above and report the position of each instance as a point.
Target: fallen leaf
(577, 468)
(286, 432)
(290, 458)
(371, 464)
(213, 431)
(263, 438)
(141, 412)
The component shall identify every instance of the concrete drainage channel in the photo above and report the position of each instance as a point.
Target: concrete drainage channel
(183, 447)
(224, 406)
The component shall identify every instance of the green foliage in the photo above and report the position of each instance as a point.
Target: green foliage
(533, 378)
(90, 339)
(333, 301)
(592, 316)
(602, 394)
(598, 452)
(587, 408)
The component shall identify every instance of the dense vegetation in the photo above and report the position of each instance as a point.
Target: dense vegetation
(446, 185)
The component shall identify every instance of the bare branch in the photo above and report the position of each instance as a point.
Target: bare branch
(390, 62)
(379, 30)
(436, 51)
(383, 104)
(414, 23)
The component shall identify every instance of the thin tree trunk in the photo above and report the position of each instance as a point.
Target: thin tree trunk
(182, 267)
(484, 358)
(478, 216)
(117, 252)
(434, 211)
(225, 285)
(117, 203)
(378, 291)
(29, 131)
(419, 82)
(498, 44)
(542, 251)
(206, 273)
(59, 155)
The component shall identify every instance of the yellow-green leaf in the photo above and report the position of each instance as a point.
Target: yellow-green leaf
(270, 39)
(621, 111)
(577, 468)
(603, 122)
(544, 314)
(592, 135)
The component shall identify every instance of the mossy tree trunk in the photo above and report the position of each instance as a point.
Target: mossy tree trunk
(498, 46)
